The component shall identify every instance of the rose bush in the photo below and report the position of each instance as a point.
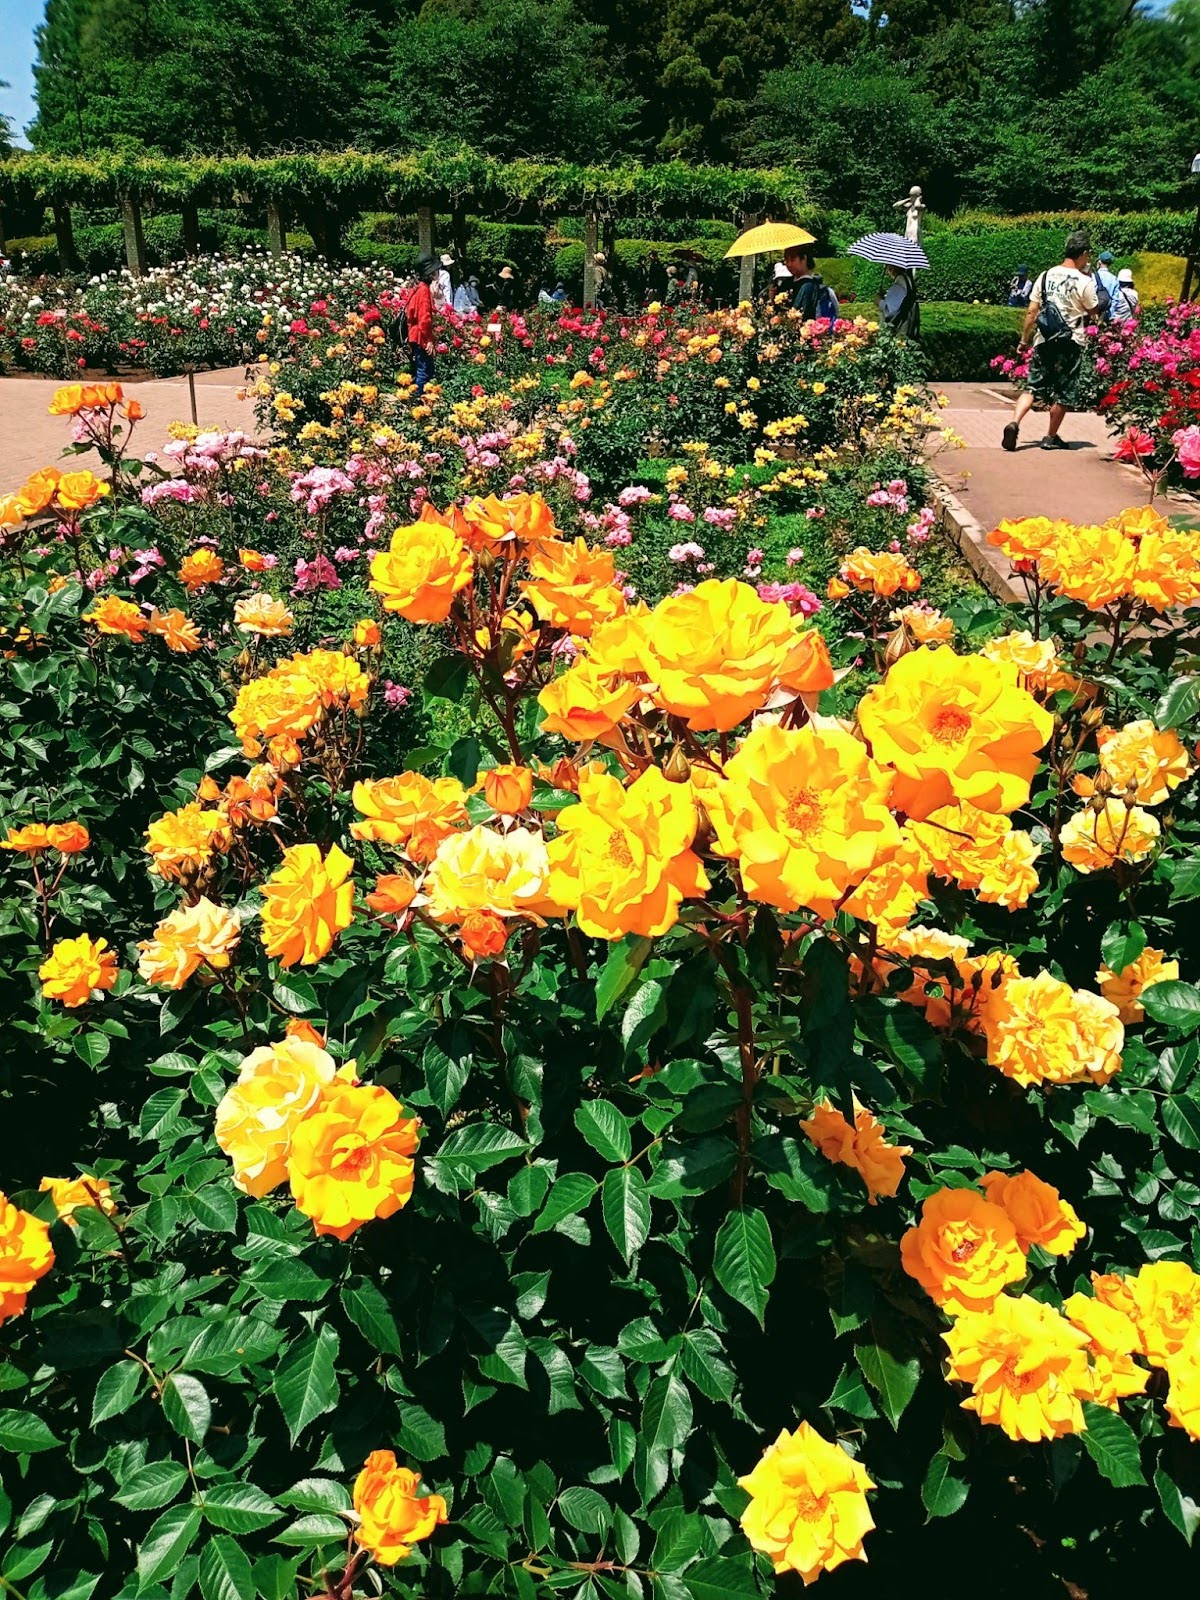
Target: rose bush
(702, 1114)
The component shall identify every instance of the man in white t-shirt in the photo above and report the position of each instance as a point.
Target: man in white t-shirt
(1064, 296)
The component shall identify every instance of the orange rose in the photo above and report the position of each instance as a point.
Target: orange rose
(963, 1252)
(68, 838)
(25, 1256)
(177, 628)
(118, 616)
(351, 1159)
(36, 493)
(366, 632)
(307, 902)
(394, 892)
(77, 968)
(1036, 1210)
(422, 571)
(508, 789)
(76, 491)
(483, 935)
(29, 840)
(392, 1515)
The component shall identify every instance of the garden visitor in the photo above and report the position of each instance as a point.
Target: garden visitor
(560, 292)
(899, 305)
(466, 298)
(418, 308)
(1127, 301)
(1060, 305)
(603, 280)
(814, 298)
(1019, 287)
(1106, 286)
(443, 284)
(545, 294)
(780, 287)
(502, 289)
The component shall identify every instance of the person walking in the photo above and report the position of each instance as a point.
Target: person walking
(1106, 285)
(898, 305)
(1019, 287)
(418, 309)
(1061, 303)
(1127, 301)
(814, 299)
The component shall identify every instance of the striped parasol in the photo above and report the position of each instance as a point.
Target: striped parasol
(890, 250)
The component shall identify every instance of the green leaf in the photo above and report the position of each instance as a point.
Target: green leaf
(289, 1280)
(316, 1528)
(1112, 1445)
(445, 1076)
(294, 993)
(225, 1570)
(605, 1129)
(666, 1414)
(186, 1406)
(1181, 1119)
(91, 1048)
(626, 1208)
(151, 1486)
(447, 678)
(625, 960)
(306, 1384)
(1185, 879)
(680, 1540)
(893, 1378)
(116, 1391)
(1179, 704)
(703, 1359)
(585, 1509)
(942, 1493)
(238, 1507)
(477, 1147)
(717, 1578)
(570, 1194)
(1122, 944)
(22, 1433)
(1182, 1511)
(160, 1112)
(371, 1315)
(421, 1436)
(1176, 1005)
(744, 1260)
(275, 1577)
(462, 760)
(317, 1494)
(215, 1207)
(167, 1541)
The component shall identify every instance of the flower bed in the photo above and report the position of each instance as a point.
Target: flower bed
(694, 1087)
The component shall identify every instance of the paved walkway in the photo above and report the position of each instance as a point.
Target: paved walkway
(1083, 484)
(30, 438)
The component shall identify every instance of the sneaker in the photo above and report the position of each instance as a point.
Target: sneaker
(1053, 442)
(1008, 439)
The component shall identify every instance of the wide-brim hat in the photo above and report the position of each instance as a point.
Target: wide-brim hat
(507, 272)
(446, 260)
(781, 270)
(1125, 275)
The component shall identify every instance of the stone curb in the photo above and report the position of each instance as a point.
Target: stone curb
(989, 565)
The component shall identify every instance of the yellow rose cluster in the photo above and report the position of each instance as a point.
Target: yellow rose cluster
(1135, 559)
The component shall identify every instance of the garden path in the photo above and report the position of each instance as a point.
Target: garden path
(30, 438)
(1083, 484)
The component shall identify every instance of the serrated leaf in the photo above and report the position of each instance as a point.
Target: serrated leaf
(1174, 1004)
(1181, 1510)
(22, 1434)
(478, 1146)
(1179, 704)
(568, 1195)
(167, 1542)
(626, 1209)
(718, 1578)
(893, 1378)
(151, 1486)
(585, 1509)
(666, 1414)
(116, 1391)
(1122, 944)
(744, 1260)
(943, 1493)
(370, 1313)
(186, 1406)
(622, 965)
(225, 1572)
(239, 1507)
(1181, 1119)
(703, 1360)
(318, 1527)
(306, 1384)
(605, 1129)
(1112, 1445)
(317, 1494)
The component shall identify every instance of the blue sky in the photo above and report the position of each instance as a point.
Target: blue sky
(18, 19)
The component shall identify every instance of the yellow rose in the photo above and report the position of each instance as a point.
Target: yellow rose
(808, 1504)
(422, 571)
(307, 902)
(352, 1159)
(277, 1086)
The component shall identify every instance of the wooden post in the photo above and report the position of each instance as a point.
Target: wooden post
(746, 272)
(276, 228)
(425, 232)
(191, 229)
(591, 235)
(67, 254)
(135, 242)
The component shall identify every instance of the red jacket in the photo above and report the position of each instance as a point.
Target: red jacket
(419, 308)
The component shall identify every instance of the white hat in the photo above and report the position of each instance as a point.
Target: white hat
(600, 256)
(447, 260)
(1125, 275)
(781, 270)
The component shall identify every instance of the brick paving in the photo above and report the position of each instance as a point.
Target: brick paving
(30, 438)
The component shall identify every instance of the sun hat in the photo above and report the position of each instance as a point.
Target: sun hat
(781, 270)
(447, 260)
(1125, 275)
(600, 256)
(506, 272)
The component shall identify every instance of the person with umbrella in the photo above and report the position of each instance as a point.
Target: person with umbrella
(903, 259)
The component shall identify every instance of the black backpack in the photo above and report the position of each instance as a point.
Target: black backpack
(1103, 299)
(398, 329)
(812, 299)
(1051, 323)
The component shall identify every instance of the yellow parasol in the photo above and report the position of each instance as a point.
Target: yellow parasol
(767, 238)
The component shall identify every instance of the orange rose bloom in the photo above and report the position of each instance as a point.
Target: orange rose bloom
(586, 703)
(187, 939)
(1036, 1210)
(67, 401)
(366, 632)
(1027, 1366)
(277, 1086)
(508, 789)
(252, 560)
(200, 568)
(1183, 1398)
(394, 892)
(963, 1252)
(304, 1031)
(1167, 572)
(419, 576)
(352, 1159)
(863, 1146)
(1094, 565)
(410, 810)
(1112, 1341)
(1024, 540)
(808, 1504)
(307, 902)
(573, 586)
(11, 515)
(1124, 989)
(804, 813)
(74, 1194)
(881, 574)
(978, 850)
(483, 935)
(25, 1256)
(184, 841)
(954, 728)
(1040, 1030)
(1151, 759)
(520, 518)
(118, 616)
(623, 860)
(926, 625)
(76, 491)
(393, 1515)
(77, 967)
(264, 615)
(134, 411)
(30, 840)
(36, 493)
(178, 629)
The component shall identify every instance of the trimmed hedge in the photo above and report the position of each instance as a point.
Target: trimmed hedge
(101, 246)
(1123, 232)
(960, 341)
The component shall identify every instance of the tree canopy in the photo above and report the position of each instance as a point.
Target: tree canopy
(1008, 103)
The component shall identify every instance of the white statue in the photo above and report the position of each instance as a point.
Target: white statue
(912, 205)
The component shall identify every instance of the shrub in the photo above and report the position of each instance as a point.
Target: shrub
(1123, 232)
(959, 341)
